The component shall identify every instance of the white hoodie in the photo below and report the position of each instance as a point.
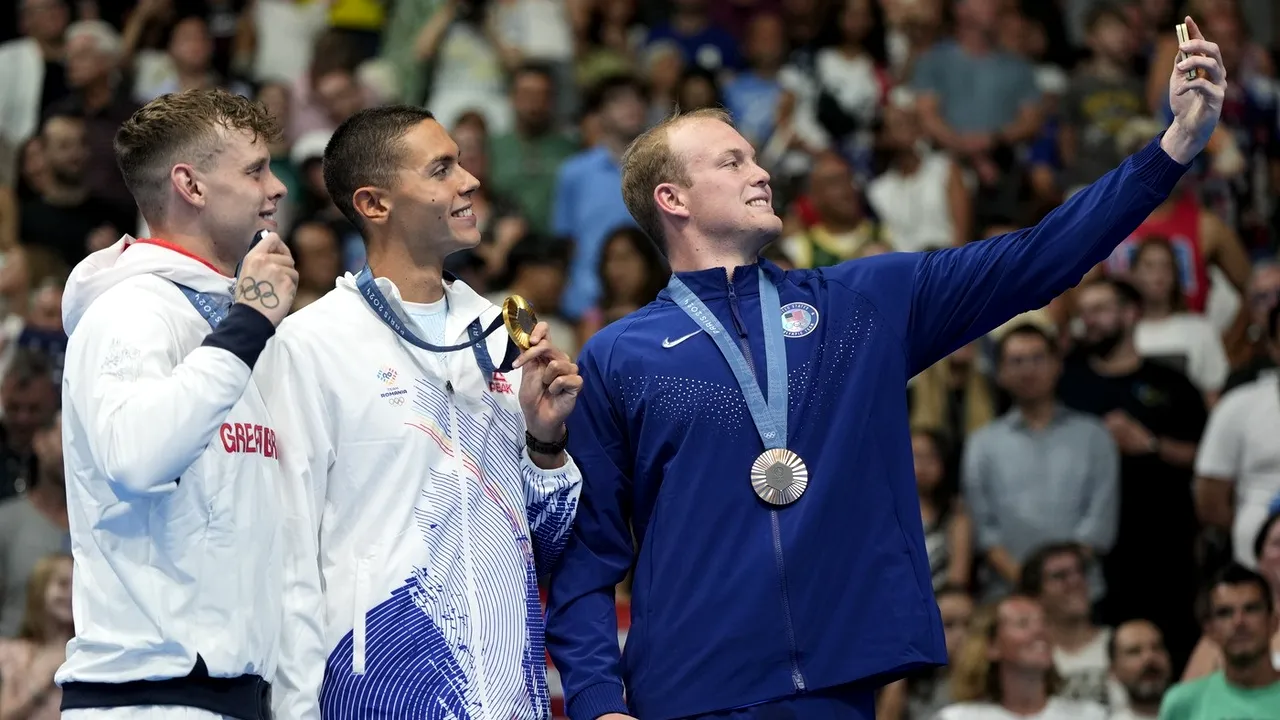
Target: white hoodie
(171, 474)
(416, 521)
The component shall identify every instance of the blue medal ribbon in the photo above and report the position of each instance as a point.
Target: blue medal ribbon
(382, 308)
(211, 309)
(770, 417)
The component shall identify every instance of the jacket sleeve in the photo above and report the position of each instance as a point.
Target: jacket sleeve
(551, 502)
(149, 412)
(944, 299)
(582, 620)
(290, 388)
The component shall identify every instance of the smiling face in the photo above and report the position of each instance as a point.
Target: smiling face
(728, 195)
(432, 194)
(241, 193)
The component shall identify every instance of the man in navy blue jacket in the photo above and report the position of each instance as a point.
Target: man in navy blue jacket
(750, 428)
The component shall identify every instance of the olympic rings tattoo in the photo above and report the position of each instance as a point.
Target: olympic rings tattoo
(260, 290)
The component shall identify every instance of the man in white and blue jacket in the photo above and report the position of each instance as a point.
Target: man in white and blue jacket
(750, 427)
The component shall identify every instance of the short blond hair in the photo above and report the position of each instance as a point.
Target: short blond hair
(182, 128)
(649, 161)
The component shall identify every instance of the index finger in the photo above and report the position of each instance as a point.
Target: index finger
(541, 332)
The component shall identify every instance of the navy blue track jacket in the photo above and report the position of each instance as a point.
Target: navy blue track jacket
(735, 602)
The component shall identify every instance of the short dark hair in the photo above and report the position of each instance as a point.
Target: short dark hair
(1031, 582)
(1233, 575)
(1126, 293)
(181, 127)
(609, 88)
(28, 366)
(1026, 330)
(367, 149)
(1104, 11)
(534, 67)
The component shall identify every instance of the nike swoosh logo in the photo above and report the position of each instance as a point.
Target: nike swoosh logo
(669, 343)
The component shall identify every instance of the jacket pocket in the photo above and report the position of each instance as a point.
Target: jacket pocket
(364, 568)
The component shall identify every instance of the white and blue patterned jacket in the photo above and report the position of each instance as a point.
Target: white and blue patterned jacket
(416, 525)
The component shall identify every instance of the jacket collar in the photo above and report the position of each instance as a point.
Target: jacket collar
(714, 283)
(464, 303)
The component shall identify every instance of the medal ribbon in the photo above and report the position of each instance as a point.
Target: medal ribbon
(212, 310)
(770, 417)
(378, 302)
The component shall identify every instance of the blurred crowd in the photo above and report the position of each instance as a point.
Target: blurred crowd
(1083, 471)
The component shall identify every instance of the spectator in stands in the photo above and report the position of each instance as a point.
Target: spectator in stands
(29, 399)
(188, 64)
(1200, 240)
(1104, 94)
(698, 88)
(34, 76)
(702, 43)
(1041, 473)
(948, 529)
(953, 395)
(32, 526)
(1266, 546)
(318, 255)
(8, 196)
(1241, 620)
(537, 31)
(921, 696)
(98, 95)
(280, 37)
(609, 39)
(850, 85)
(63, 215)
(28, 662)
(632, 272)
(537, 269)
(1005, 666)
(523, 162)
(843, 230)
(661, 67)
(42, 328)
(1140, 666)
(753, 95)
(1261, 295)
(921, 197)
(588, 205)
(1167, 333)
(1057, 576)
(498, 218)
(982, 123)
(1238, 466)
(466, 71)
(1156, 416)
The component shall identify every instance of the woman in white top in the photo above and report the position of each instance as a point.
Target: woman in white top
(1005, 670)
(1207, 657)
(1169, 334)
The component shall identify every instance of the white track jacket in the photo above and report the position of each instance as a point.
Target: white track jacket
(171, 474)
(416, 524)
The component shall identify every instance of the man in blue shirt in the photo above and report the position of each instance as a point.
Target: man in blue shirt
(744, 437)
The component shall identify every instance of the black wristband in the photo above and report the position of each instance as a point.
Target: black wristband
(537, 446)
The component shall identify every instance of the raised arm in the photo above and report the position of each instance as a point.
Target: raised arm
(150, 412)
(582, 620)
(303, 434)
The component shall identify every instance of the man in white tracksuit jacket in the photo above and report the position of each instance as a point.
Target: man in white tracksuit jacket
(423, 511)
(171, 459)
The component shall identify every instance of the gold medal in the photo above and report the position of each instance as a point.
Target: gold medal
(518, 315)
(779, 476)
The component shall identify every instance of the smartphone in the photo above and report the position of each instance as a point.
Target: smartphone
(1184, 36)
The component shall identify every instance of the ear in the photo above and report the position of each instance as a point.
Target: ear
(373, 204)
(670, 200)
(183, 179)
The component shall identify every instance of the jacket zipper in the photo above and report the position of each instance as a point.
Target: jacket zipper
(797, 679)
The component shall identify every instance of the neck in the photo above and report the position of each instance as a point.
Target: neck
(200, 245)
(1156, 309)
(1122, 361)
(836, 225)
(766, 72)
(51, 49)
(1071, 634)
(688, 22)
(973, 40)
(1144, 709)
(1259, 673)
(1037, 413)
(64, 195)
(705, 255)
(852, 48)
(1022, 692)
(907, 161)
(615, 145)
(58, 634)
(1105, 67)
(419, 280)
(50, 497)
(97, 95)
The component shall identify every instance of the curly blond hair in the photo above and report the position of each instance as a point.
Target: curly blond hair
(182, 128)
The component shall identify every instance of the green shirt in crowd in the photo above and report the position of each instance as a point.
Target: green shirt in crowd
(1212, 698)
(524, 172)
